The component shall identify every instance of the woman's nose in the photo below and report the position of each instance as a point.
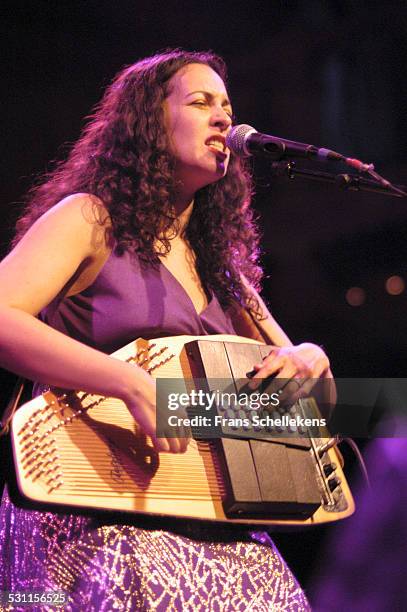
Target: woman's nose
(221, 118)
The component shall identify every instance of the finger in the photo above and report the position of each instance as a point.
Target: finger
(267, 360)
(161, 445)
(184, 439)
(282, 377)
(174, 444)
(183, 445)
(286, 384)
(177, 438)
(293, 390)
(267, 369)
(308, 385)
(182, 432)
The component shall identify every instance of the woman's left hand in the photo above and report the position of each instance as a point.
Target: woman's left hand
(296, 369)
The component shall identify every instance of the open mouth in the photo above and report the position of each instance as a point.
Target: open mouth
(217, 145)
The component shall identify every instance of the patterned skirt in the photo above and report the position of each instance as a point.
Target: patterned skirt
(104, 566)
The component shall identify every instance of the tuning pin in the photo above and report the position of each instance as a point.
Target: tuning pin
(333, 483)
(329, 468)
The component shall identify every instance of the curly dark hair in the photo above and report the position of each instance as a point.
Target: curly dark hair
(123, 158)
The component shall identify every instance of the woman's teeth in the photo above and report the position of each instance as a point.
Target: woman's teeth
(217, 144)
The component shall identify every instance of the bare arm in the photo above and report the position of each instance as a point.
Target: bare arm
(306, 363)
(264, 322)
(39, 268)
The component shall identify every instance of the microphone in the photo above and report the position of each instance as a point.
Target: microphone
(244, 141)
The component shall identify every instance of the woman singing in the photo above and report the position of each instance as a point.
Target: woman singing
(145, 231)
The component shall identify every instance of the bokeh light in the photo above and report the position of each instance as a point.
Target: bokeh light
(355, 296)
(395, 285)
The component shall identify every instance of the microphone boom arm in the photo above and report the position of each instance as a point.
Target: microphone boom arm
(345, 181)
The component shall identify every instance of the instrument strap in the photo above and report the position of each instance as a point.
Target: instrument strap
(12, 406)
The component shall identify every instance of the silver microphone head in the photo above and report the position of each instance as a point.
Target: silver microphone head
(236, 139)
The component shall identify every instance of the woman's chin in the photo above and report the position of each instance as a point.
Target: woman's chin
(196, 179)
(221, 167)
(216, 171)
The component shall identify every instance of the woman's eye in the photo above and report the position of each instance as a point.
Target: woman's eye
(199, 103)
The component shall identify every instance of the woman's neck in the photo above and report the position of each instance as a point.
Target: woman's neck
(183, 211)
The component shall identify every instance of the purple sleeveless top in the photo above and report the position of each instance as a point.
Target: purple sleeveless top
(127, 301)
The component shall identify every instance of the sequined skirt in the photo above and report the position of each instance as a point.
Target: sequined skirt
(104, 566)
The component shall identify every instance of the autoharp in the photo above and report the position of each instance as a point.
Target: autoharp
(83, 450)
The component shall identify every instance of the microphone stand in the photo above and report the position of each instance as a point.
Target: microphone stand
(346, 182)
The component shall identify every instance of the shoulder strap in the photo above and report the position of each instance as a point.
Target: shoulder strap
(11, 406)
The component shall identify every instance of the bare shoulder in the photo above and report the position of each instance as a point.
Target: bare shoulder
(81, 212)
(55, 253)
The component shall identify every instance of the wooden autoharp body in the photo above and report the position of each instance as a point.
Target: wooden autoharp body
(82, 450)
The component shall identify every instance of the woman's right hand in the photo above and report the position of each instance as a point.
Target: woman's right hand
(141, 402)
